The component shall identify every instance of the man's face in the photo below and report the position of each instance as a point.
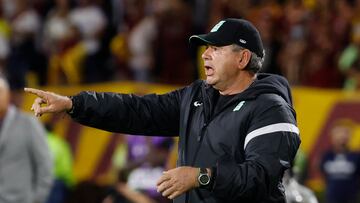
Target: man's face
(4, 97)
(340, 136)
(221, 66)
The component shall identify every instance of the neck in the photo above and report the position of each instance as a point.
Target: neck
(240, 84)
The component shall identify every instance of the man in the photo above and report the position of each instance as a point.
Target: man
(237, 128)
(25, 163)
(340, 166)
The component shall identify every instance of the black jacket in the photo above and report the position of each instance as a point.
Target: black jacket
(250, 141)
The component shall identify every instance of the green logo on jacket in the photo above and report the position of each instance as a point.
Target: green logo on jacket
(238, 107)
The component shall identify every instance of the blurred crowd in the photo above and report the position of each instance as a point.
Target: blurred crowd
(67, 42)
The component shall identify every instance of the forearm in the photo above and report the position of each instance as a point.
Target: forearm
(150, 114)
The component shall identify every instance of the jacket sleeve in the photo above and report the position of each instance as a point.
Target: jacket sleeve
(127, 113)
(41, 160)
(270, 146)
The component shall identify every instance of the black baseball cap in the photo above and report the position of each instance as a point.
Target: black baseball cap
(232, 31)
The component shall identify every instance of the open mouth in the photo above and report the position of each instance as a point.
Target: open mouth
(209, 70)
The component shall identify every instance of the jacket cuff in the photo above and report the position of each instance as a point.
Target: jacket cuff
(75, 106)
(213, 178)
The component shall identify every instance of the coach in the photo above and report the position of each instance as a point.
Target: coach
(237, 129)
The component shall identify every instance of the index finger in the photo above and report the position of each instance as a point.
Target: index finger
(37, 92)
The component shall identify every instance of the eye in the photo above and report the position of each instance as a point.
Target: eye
(214, 48)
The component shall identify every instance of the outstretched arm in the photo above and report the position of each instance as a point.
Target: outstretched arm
(126, 113)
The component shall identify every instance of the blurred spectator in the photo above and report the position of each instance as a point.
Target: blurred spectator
(5, 32)
(122, 193)
(133, 12)
(341, 26)
(94, 69)
(228, 9)
(319, 71)
(63, 163)
(200, 15)
(144, 178)
(60, 45)
(320, 67)
(340, 166)
(147, 157)
(293, 40)
(173, 61)
(349, 61)
(141, 45)
(25, 56)
(265, 17)
(349, 64)
(26, 166)
(295, 192)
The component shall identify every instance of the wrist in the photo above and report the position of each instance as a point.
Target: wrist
(204, 177)
(69, 106)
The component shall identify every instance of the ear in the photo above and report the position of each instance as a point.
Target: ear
(244, 58)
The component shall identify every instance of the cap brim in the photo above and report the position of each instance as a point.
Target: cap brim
(206, 39)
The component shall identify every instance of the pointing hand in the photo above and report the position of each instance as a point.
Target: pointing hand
(54, 103)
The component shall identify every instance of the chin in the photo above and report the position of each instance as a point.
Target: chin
(210, 81)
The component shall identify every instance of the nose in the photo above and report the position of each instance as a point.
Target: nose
(206, 54)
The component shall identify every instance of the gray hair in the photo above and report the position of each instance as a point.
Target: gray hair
(255, 62)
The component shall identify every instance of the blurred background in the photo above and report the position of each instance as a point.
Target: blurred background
(141, 46)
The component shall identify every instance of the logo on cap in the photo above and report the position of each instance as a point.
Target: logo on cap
(242, 41)
(217, 26)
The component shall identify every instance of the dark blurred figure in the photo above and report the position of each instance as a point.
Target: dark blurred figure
(266, 17)
(340, 166)
(293, 40)
(173, 62)
(323, 45)
(94, 67)
(25, 55)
